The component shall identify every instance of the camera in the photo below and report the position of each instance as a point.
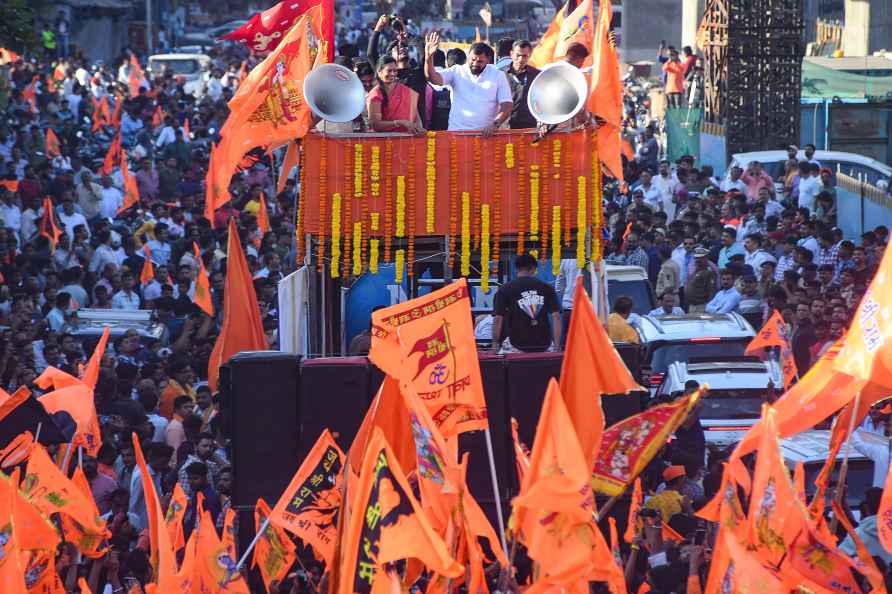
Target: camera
(396, 23)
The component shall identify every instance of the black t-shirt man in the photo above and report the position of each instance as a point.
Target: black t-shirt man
(526, 311)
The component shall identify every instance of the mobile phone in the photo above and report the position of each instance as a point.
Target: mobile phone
(700, 536)
(658, 559)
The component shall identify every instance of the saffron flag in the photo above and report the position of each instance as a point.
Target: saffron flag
(430, 341)
(131, 190)
(35, 532)
(173, 517)
(8, 56)
(862, 355)
(774, 334)
(87, 540)
(147, 275)
(202, 295)
(29, 93)
(53, 147)
(91, 372)
(215, 566)
(77, 400)
(742, 570)
(101, 115)
(289, 162)
(634, 508)
(308, 508)
(268, 108)
(884, 516)
(242, 328)
(544, 52)
(112, 156)
(48, 227)
(605, 100)
(116, 114)
(820, 562)
(215, 191)
(135, 76)
(158, 117)
(387, 525)
(41, 576)
(265, 30)
(591, 367)
(521, 454)
(630, 445)
(262, 217)
(187, 132)
(274, 552)
(387, 412)
(12, 556)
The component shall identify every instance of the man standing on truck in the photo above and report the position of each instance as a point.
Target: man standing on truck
(523, 309)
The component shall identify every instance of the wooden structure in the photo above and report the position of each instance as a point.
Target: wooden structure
(752, 72)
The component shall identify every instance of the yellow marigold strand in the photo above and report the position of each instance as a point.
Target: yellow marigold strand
(357, 249)
(373, 242)
(484, 248)
(400, 262)
(388, 198)
(581, 221)
(555, 239)
(299, 226)
(475, 188)
(324, 223)
(335, 235)
(430, 173)
(411, 198)
(453, 200)
(465, 234)
(522, 185)
(347, 211)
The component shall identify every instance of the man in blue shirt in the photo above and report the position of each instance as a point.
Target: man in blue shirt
(729, 246)
(727, 299)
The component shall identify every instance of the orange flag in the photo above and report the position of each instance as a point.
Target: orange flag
(116, 114)
(820, 562)
(308, 508)
(553, 511)
(187, 133)
(147, 275)
(274, 552)
(591, 367)
(12, 557)
(521, 454)
(242, 328)
(268, 107)
(216, 190)
(91, 371)
(605, 100)
(76, 400)
(34, 531)
(740, 570)
(621, 459)
(12, 185)
(135, 76)
(215, 565)
(884, 517)
(112, 156)
(202, 296)
(544, 52)
(88, 541)
(7, 56)
(101, 115)
(634, 508)
(388, 413)
(262, 217)
(29, 93)
(158, 117)
(41, 574)
(774, 334)
(53, 148)
(131, 190)
(289, 162)
(173, 518)
(48, 227)
(161, 554)
(430, 341)
(387, 525)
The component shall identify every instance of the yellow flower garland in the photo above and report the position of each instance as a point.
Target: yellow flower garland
(375, 219)
(484, 247)
(509, 156)
(335, 235)
(357, 248)
(581, 220)
(597, 200)
(431, 177)
(400, 206)
(357, 170)
(556, 158)
(375, 171)
(534, 208)
(555, 239)
(465, 233)
(374, 222)
(400, 262)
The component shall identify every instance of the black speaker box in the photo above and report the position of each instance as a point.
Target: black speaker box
(527, 376)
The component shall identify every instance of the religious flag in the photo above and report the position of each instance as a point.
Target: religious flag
(628, 446)
(88, 541)
(387, 525)
(634, 507)
(215, 192)
(48, 227)
(147, 275)
(274, 552)
(101, 115)
(29, 93)
(553, 513)
(53, 148)
(242, 328)
(158, 117)
(308, 508)
(430, 341)
(135, 76)
(265, 30)
(387, 412)
(8, 56)
(35, 532)
(11, 185)
(289, 162)
(187, 132)
(202, 295)
(131, 190)
(12, 558)
(521, 454)
(215, 566)
(544, 51)
(173, 517)
(77, 400)
(591, 367)
(116, 114)
(605, 100)
(820, 562)
(262, 217)
(268, 108)
(161, 553)
(774, 334)
(41, 576)
(112, 156)
(91, 372)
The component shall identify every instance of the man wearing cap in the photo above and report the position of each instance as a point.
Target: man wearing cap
(701, 285)
(727, 298)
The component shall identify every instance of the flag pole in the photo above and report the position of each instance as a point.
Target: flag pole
(253, 544)
(66, 459)
(495, 489)
(843, 470)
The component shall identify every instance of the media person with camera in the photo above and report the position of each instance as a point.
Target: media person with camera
(409, 73)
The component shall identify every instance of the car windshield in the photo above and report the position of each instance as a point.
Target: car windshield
(732, 404)
(638, 291)
(664, 354)
(176, 66)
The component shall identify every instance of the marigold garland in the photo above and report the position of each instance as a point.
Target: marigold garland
(299, 226)
(335, 235)
(375, 172)
(556, 157)
(364, 208)
(357, 169)
(357, 249)
(597, 200)
(465, 234)
(555, 239)
(545, 199)
(400, 206)
(475, 189)
(495, 207)
(509, 156)
(453, 200)
(484, 248)
(534, 207)
(411, 196)
(581, 221)
(522, 185)
(398, 270)
(347, 211)
(323, 193)
(567, 196)
(430, 173)
(388, 198)
(374, 220)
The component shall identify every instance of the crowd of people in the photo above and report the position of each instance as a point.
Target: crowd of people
(708, 245)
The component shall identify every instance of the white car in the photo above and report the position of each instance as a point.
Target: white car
(194, 68)
(851, 164)
(737, 386)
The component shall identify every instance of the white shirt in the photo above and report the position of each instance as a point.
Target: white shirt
(811, 244)
(11, 215)
(166, 136)
(102, 256)
(809, 188)
(160, 252)
(565, 282)
(666, 186)
(112, 200)
(125, 300)
(725, 301)
(676, 311)
(728, 184)
(71, 221)
(475, 99)
(757, 258)
(875, 447)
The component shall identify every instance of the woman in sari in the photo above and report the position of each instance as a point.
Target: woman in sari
(392, 106)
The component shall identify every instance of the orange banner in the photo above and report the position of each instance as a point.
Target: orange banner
(383, 181)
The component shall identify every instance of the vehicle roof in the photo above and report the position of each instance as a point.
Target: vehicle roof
(688, 326)
(199, 57)
(622, 272)
(814, 446)
(723, 375)
(779, 155)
